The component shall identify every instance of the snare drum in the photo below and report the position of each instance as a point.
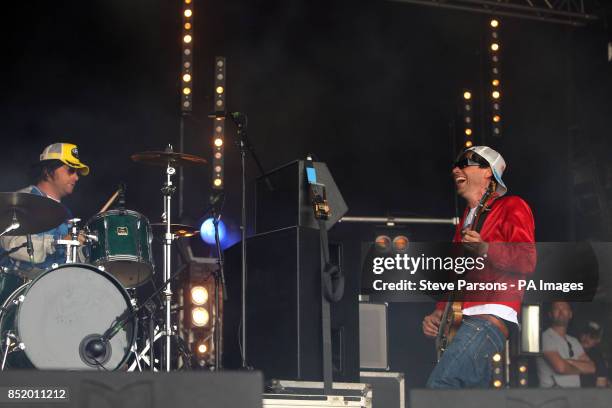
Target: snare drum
(123, 246)
(55, 316)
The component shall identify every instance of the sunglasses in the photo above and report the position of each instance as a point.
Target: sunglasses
(475, 160)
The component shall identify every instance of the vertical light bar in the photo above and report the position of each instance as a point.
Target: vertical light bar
(219, 124)
(496, 93)
(187, 58)
(468, 117)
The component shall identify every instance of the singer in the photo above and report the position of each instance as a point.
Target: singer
(55, 176)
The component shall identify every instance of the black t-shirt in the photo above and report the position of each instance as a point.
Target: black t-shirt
(601, 368)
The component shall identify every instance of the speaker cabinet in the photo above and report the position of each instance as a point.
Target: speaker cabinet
(283, 309)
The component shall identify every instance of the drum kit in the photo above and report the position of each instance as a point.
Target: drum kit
(86, 315)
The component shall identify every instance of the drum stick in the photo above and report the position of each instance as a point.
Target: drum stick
(110, 201)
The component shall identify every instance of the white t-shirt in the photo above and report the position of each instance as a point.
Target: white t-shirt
(552, 341)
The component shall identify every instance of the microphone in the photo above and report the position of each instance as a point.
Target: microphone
(30, 248)
(95, 350)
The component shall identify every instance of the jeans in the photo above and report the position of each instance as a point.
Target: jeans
(467, 362)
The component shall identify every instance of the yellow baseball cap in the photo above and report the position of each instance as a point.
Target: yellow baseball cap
(67, 153)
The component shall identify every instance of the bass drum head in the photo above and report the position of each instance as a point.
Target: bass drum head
(66, 306)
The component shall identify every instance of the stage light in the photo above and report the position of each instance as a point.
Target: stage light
(495, 94)
(496, 118)
(187, 1)
(497, 357)
(400, 243)
(187, 59)
(495, 46)
(495, 82)
(467, 113)
(199, 316)
(523, 369)
(219, 128)
(207, 231)
(494, 23)
(199, 295)
(497, 383)
(383, 243)
(468, 144)
(202, 348)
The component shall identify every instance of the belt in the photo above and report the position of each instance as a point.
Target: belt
(497, 322)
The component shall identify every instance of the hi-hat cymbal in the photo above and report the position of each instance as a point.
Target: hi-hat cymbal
(158, 158)
(179, 230)
(34, 213)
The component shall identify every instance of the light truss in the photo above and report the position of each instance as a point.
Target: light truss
(571, 12)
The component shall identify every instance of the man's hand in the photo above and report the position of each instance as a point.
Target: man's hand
(473, 242)
(431, 323)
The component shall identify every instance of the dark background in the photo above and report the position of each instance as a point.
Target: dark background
(371, 88)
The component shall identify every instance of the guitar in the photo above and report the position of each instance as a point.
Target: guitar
(453, 310)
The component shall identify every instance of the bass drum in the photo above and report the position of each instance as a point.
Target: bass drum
(58, 314)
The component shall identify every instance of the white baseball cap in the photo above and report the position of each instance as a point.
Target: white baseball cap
(496, 163)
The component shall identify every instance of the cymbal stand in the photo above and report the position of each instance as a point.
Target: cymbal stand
(73, 243)
(14, 225)
(167, 190)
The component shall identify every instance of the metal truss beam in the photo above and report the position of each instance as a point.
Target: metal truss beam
(570, 12)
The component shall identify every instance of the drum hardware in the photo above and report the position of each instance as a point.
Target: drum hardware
(11, 340)
(26, 213)
(73, 243)
(170, 160)
(178, 230)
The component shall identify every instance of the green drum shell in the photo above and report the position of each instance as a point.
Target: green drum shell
(123, 247)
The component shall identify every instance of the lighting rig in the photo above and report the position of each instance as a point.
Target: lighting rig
(468, 118)
(496, 94)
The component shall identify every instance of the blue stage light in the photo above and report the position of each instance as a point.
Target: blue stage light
(207, 231)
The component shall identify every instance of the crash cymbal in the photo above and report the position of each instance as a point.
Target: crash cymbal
(179, 230)
(158, 158)
(34, 213)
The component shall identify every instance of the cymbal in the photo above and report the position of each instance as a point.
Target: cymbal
(34, 213)
(179, 230)
(158, 158)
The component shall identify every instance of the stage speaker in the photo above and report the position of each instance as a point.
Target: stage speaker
(282, 198)
(31, 388)
(283, 309)
(373, 342)
(512, 398)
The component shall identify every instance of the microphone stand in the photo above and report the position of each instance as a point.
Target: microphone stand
(241, 122)
(219, 284)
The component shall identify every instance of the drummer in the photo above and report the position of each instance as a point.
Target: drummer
(54, 176)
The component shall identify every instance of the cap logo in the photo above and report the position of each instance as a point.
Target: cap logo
(75, 152)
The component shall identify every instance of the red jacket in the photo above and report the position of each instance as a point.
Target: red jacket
(510, 221)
